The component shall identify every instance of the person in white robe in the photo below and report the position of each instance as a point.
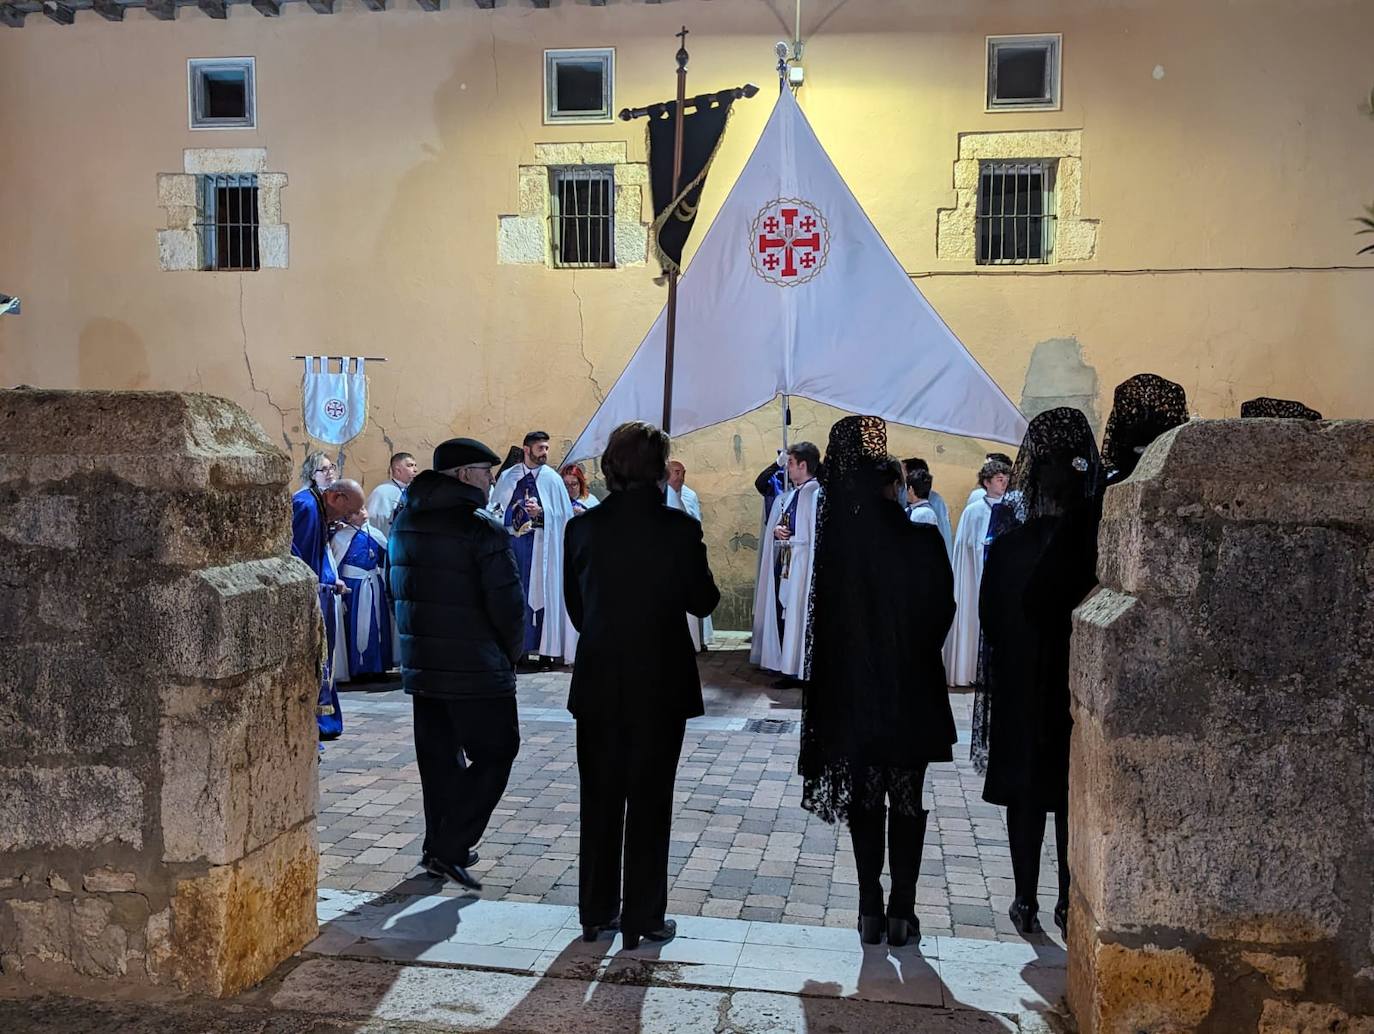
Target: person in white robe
(580, 495)
(937, 502)
(681, 497)
(786, 553)
(961, 646)
(386, 498)
(532, 502)
(918, 509)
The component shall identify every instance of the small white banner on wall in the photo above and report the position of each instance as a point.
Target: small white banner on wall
(334, 403)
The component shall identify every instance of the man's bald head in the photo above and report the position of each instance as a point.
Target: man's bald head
(677, 475)
(342, 498)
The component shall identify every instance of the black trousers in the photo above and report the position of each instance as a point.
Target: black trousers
(906, 833)
(465, 750)
(1026, 833)
(626, 774)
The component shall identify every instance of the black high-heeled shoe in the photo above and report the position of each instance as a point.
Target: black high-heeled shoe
(1061, 918)
(901, 929)
(664, 933)
(871, 929)
(1025, 916)
(595, 930)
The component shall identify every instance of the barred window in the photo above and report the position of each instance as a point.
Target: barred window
(582, 210)
(228, 223)
(1015, 216)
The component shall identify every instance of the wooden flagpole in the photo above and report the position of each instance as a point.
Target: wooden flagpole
(670, 342)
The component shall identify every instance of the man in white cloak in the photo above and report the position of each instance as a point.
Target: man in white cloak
(681, 497)
(532, 502)
(961, 647)
(786, 555)
(386, 498)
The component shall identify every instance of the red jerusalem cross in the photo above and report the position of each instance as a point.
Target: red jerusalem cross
(789, 242)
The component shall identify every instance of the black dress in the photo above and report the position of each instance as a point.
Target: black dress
(1036, 574)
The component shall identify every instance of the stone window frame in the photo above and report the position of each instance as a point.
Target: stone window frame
(525, 237)
(607, 57)
(195, 69)
(179, 245)
(1075, 238)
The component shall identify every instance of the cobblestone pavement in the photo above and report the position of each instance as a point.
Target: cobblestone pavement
(742, 846)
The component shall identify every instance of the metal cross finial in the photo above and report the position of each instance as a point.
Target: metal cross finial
(682, 48)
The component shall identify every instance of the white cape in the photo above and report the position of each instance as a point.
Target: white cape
(961, 647)
(701, 628)
(788, 655)
(546, 570)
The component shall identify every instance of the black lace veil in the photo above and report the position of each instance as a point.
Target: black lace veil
(1287, 409)
(1058, 461)
(1143, 408)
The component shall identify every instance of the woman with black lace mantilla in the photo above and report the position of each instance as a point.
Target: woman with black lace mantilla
(876, 711)
(1038, 571)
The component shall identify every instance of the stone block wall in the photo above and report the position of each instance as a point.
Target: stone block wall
(1222, 781)
(158, 673)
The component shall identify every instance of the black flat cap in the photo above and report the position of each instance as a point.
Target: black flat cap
(459, 452)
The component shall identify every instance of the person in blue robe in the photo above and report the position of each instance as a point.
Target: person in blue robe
(359, 553)
(313, 509)
(770, 484)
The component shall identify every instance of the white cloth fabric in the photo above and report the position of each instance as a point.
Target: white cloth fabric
(961, 646)
(923, 513)
(701, 628)
(334, 404)
(546, 571)
(847, 327)
(570, 634)
(371, 593)
(787, 653)
(937, 504)
(382, 505)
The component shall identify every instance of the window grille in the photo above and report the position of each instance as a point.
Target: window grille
(1015, 212)
(229, 221)
(582, 211)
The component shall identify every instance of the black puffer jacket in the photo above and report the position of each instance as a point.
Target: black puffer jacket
(459, 609)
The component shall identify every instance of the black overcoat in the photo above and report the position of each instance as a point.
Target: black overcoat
(633, 569)
(460, 612)
(1036, 574)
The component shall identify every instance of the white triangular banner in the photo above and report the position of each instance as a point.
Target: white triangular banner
(793, 291)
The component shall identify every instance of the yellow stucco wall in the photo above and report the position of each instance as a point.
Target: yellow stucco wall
(402, 134)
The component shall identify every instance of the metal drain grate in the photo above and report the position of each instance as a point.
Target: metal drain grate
(773, 726)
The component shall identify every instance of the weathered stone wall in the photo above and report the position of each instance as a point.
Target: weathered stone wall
(158, 653)
(1222, 786)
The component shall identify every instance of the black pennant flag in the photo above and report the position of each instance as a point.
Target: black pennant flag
(702, 130)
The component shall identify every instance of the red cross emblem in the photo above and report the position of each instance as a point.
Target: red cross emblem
(789, 241)
(335, 409)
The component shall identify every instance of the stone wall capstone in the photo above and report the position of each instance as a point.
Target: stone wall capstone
(158, 671)
(1222, 773)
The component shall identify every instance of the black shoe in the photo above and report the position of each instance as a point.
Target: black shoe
(665, 933)
(427, 862)
(1025, 916)
(901, 929)
(592, 931)
(457, 873)
(788, 682)
(871, 929)
(1061, 918)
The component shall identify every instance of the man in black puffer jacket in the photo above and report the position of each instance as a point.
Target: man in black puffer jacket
(460, 614)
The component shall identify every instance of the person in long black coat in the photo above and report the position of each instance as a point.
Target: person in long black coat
(633, 569)
(876, 710)
(1037, 572)
(460, 616)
